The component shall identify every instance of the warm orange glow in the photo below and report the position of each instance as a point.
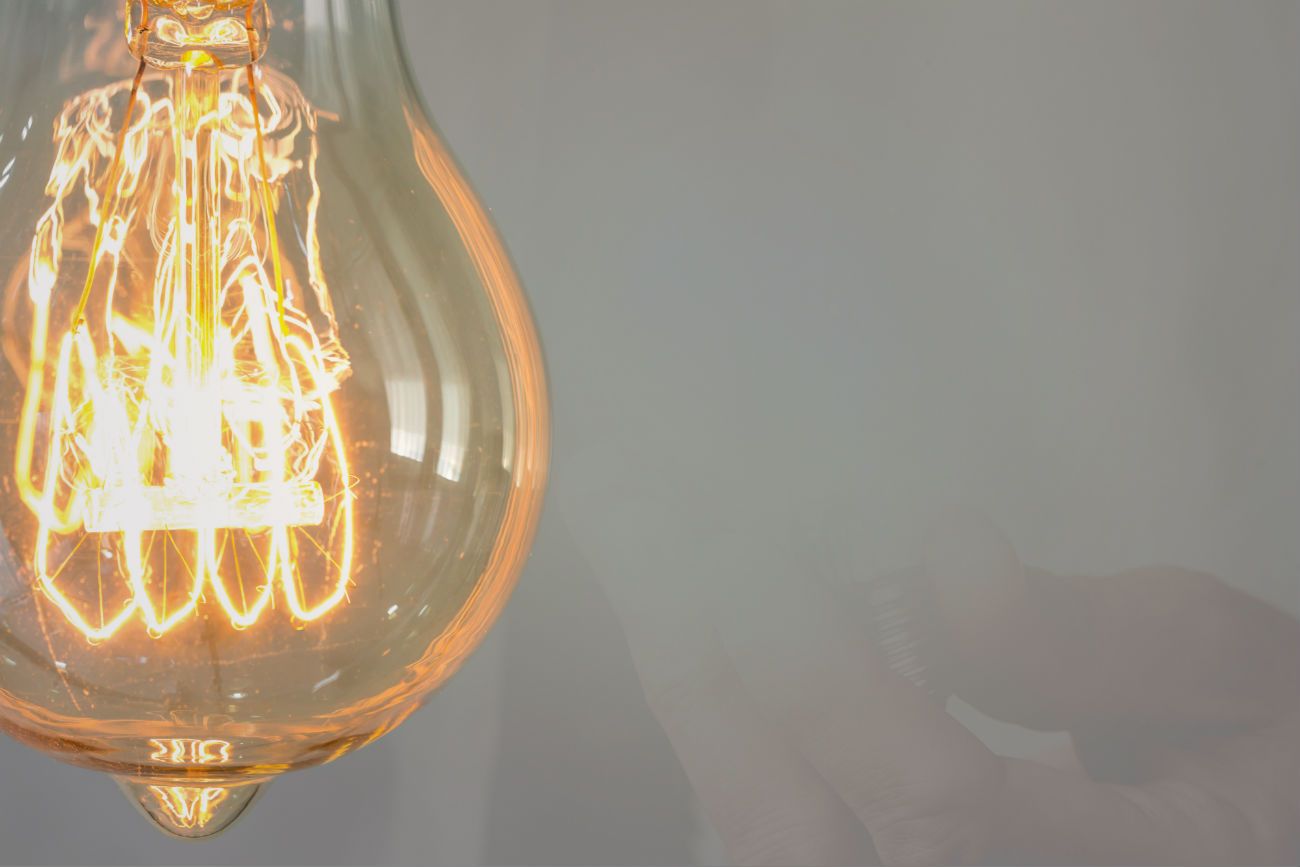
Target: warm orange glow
(182, 417)
(188, 807)
(278, 413)
(530, 452)
(190, 751)
(196, 33)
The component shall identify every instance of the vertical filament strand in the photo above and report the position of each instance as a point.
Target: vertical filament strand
(110, 196)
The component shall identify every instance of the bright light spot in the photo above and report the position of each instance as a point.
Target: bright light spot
(321, 684)
(407, 412)
(190, 416)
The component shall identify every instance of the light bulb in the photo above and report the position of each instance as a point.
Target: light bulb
(274, 400)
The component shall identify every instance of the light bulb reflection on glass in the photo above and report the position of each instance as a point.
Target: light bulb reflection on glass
(280, 426)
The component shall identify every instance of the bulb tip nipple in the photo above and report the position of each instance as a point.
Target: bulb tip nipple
(191, 812)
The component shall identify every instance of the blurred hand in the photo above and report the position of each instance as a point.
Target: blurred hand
(1181, 696)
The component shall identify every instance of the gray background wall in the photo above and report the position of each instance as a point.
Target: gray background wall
(825, 265)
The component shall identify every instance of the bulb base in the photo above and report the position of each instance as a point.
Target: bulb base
(189, 812)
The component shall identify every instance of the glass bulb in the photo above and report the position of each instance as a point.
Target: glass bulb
(277, 424)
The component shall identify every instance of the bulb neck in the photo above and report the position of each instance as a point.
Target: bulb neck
(352, 60)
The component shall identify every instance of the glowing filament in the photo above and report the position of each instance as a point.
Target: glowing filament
(187, 806)
(178, 427)
(190, 751)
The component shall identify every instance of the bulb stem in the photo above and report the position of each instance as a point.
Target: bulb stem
(198, 237)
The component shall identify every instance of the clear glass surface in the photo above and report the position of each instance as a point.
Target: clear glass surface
(276, 427)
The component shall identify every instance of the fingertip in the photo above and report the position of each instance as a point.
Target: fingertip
(995, 652)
